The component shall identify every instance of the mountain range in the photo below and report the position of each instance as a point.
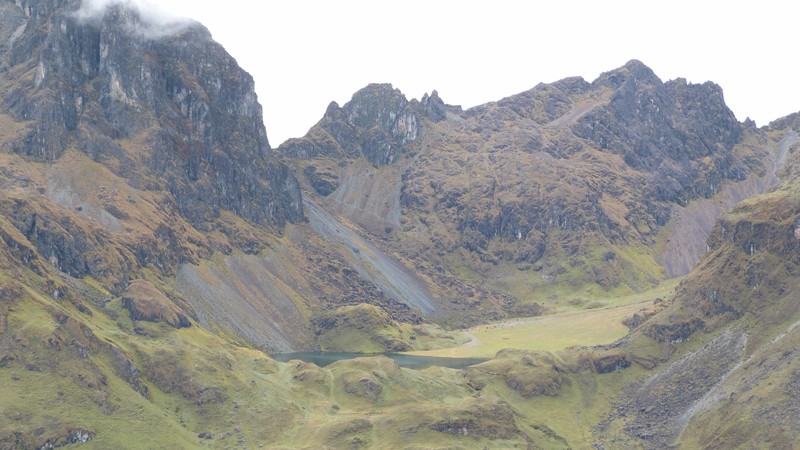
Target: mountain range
(156, 248)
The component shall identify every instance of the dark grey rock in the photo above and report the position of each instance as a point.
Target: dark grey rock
(99, 82)
(378, 123)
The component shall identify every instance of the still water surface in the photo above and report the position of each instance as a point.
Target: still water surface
(322, 359)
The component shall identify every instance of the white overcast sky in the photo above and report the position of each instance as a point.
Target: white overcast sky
(304, 54)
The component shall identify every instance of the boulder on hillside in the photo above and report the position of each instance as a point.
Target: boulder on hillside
(146, 302)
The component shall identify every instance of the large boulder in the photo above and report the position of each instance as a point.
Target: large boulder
(146, 302)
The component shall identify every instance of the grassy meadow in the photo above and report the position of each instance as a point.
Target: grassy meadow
(587, 327)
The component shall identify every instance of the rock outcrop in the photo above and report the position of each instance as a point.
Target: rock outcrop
(681, 134)
(146, 302)
(378, 123)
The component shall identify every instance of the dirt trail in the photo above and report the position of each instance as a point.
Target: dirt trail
(690, 226)
(571, 117)
(385, 271)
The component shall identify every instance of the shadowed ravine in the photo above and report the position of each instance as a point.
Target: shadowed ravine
(383, 270)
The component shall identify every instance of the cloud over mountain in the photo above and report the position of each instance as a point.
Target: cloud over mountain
(150, 21)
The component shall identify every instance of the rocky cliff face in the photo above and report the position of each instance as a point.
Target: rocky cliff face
(750, 267)
(681, 134)
(672, 138)
(94, 82)
(165, 118)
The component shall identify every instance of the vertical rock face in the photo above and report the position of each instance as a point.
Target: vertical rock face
(98, 80)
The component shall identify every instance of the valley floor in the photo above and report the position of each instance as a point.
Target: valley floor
(566, 328)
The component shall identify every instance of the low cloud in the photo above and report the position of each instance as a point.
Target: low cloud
(153, 23)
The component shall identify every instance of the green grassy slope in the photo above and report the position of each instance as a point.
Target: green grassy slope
(135, 384)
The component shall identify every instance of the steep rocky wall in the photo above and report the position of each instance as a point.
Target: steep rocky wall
(101, 80)
(130, 142)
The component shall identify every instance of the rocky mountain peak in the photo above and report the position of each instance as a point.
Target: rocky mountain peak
(631, 146)
(435, 108)
(141, 19)
(378, 123)
(97, 79)
(144, 143)
(633, 71)
(570, 85)
(332, 108)
(380, 105)
(667, 128)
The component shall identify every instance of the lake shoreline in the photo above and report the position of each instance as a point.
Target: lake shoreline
(323, 359)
